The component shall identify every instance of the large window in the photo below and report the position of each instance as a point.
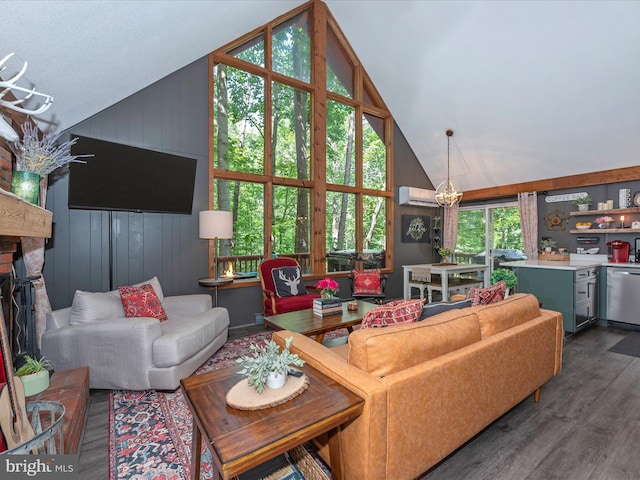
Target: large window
(300, 148)
(489, 235)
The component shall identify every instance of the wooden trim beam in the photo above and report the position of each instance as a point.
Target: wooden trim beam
(19, 218)
(625, 174)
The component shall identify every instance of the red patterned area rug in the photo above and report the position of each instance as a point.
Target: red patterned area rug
(150, 431)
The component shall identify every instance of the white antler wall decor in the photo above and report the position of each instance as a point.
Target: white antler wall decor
(22, 95)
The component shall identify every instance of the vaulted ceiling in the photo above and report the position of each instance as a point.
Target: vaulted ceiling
(532, 90)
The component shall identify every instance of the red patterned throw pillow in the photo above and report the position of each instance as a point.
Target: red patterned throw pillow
(485, 296)
(366, 282)
(141, 301)
(393, 313)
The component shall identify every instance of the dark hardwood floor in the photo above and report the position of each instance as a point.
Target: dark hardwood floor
(586, 426)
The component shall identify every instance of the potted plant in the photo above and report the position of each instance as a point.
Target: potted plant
(445, 253)
(548, 244)
(505, 274)
(36, 157)
(34, 375)
(267, 365)
(328, 288)
(583, 203)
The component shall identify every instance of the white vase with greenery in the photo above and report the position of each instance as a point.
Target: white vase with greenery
(583, 203)
(267, 361)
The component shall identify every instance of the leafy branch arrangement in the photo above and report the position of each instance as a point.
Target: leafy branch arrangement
(265, 359)
(42, 156)
(32, 366)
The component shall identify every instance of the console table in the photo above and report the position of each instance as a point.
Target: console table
(446, 284)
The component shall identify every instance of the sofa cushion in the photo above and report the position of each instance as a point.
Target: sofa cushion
(366, 282)
(88, 307)
(288, 281)
(183, 337)
(491, 294)
(383, 351)
(155, 283)
(514, 310)
(431, 309)
(141, 301)
(393, 313)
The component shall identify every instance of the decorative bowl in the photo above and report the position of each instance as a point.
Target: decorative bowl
(583, 227)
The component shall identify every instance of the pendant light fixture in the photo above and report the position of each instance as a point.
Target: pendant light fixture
(446, 193)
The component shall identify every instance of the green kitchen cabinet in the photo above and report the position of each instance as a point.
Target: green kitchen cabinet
(572, 292)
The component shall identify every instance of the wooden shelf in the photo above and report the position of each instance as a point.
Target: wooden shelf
(613, 211)
(591, 231)
(19, 218)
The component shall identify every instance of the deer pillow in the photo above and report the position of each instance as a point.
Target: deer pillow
(288, 281)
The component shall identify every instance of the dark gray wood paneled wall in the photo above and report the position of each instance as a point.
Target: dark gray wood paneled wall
(171, 116)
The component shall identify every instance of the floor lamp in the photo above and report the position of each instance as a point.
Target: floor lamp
(215, 224)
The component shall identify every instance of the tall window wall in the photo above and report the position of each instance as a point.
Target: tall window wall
(300, 145)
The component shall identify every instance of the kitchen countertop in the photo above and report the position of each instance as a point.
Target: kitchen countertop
(576, 262)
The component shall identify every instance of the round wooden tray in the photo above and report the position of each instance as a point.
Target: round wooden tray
(244, 397)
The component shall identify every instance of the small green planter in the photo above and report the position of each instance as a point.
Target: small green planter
(35, 383)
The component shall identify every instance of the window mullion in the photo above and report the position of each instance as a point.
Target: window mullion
(319, 138)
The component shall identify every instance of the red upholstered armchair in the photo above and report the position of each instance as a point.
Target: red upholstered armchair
(367, 284)
(282, 287)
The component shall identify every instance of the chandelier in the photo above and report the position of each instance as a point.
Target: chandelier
(446, 193)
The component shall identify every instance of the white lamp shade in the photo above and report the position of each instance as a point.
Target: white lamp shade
(216, 224)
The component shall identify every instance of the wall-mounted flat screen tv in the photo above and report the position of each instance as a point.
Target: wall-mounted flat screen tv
(125, 178)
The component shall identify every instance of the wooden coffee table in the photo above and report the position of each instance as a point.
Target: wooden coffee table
(305, 322)
(240, 440)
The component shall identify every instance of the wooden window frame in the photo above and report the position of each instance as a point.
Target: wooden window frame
(320, 20)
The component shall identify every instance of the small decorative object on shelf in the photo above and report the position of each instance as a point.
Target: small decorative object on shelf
(26, 185)
(583, 203)
(583, 225)
(267, 359)
(39, 156)
(328, 288)
(603, 222)
(548, 244)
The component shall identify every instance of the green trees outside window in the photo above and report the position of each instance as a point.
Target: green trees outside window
(300, 148)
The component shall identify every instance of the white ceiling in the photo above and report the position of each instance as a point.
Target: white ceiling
(532, 89)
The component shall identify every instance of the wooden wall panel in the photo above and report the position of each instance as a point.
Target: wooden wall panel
(169, 116)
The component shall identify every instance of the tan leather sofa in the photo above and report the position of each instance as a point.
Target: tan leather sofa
(432, 385)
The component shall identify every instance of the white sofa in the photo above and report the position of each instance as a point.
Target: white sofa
(135, 353)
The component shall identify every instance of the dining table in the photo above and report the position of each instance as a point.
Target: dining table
(452, 275)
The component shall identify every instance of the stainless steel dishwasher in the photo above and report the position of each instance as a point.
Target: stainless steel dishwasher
(623, 295)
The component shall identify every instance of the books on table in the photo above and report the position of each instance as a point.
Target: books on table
(324, 307)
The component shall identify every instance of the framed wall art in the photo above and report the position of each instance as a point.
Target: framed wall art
(415, 228)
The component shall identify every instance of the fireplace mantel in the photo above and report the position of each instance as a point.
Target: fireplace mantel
(19, 218)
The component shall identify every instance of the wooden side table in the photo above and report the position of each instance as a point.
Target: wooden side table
(240, 440)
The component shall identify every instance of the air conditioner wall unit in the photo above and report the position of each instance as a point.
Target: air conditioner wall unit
(417, 196)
